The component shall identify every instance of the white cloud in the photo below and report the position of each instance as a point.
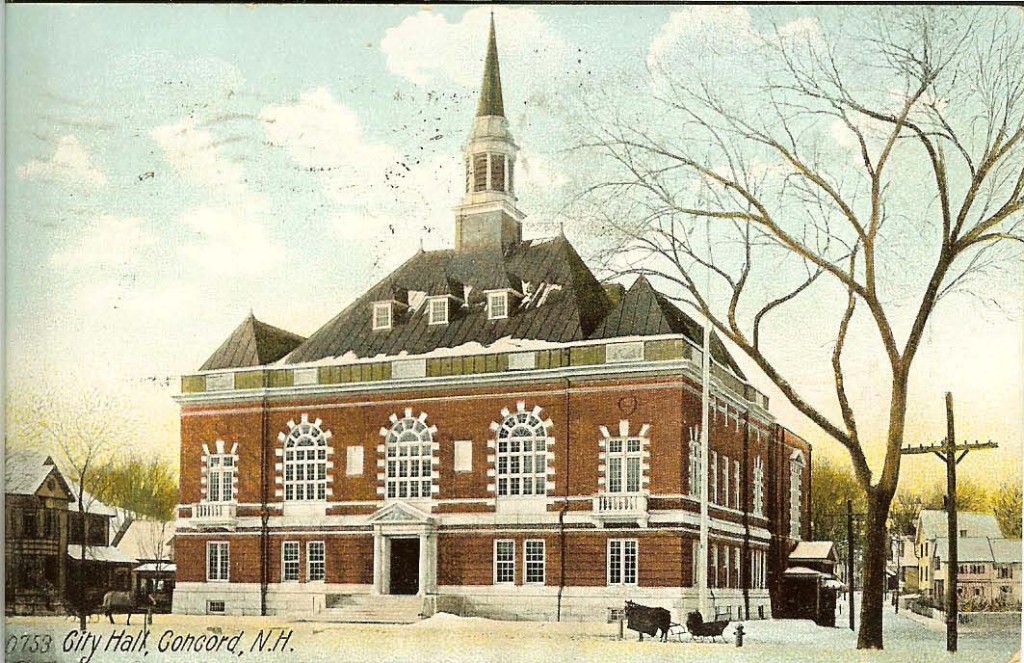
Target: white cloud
(70, 163)
(718, 28)
(195, 154)
(429, 51)
(107, 240)
(325, 136)
(230, 242)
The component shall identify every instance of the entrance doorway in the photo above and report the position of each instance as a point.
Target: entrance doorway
(405, 566)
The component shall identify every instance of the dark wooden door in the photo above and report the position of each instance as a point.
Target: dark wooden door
(405, 566)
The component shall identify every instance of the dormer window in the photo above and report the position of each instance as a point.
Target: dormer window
(497, 305)
(437, 311)
(382, 315)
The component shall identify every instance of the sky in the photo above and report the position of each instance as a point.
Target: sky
(172, 168)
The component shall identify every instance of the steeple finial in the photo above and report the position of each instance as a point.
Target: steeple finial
(490, 89)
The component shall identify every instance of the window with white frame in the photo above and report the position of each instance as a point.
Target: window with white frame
(713, 481)
(623, 465)
(290, 561)
(796, 477)
(725, 566)
(409, 459)
(521, 458)
(382, 315)
(316, 569)
(504, 562)
(217, 563)
(437, 311)
(622, 562)
(534, 561)
(725, 481)
(695, 473)
(305, 463)
(220, 475)
(736, 565)
(758, 486)
(497, 305)
(738, 498)
(713, 581)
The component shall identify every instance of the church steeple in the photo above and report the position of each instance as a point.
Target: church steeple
(488, 217)
(490, 89)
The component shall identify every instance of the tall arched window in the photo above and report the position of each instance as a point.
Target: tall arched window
(522, 455)
(409, 449)
(305, 462)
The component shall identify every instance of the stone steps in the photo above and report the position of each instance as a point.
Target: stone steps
(370, 609)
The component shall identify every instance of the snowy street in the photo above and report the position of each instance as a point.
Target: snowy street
(444, 637)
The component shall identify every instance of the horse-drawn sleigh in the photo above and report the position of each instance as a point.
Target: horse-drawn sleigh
(654, 621)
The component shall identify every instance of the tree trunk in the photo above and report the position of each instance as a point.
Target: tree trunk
(873, 583)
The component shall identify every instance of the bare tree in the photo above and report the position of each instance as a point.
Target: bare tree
(84, 438)
(878, 168)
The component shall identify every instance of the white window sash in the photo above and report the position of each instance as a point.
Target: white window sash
(218, 566)
(533, 566)
(290, 565)
(316, 558)
(504, 561)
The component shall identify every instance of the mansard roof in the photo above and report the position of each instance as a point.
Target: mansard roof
(643, 311)
(562, 302)
(253, 343)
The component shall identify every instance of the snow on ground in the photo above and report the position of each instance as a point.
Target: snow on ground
(448, 638)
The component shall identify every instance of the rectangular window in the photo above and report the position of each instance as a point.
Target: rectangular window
(738, 501)
(622, 561)
(353, 461)
(725, 481)
(713, 487)
(758, 486)
(695, 474)
(736, 565)
(713, 580)
(796, 476)
(497, 305)
(437, 311)
(533, 554)
(463, 456)
(220, 476)
(521, 465)
(504, 562)
(624, 466)
(381, 315)
(290, 561)
(215, 607)
(725, 566)
(217, 561)
(315, 561)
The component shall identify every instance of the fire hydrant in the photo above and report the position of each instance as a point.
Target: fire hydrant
(739, 635)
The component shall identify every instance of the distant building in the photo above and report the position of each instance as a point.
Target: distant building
(488, 430)
(35, 534)
(989, 565)
(44, 536)
(151, 544)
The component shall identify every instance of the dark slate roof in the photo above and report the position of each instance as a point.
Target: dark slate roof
(253, 343)
(563, 303)
(490, 90)
(643, 311)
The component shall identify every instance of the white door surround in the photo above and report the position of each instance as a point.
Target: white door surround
(399, 520)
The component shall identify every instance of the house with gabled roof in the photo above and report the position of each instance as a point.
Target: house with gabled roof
(487, 430)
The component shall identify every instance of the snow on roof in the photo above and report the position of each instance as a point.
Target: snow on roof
(1006, 551)
(933, 524)
(161, 567)
(802, 571)
(968, 549)
(91, 503)
(819, 551)
(25, 470)
(105, 554)
(147, 539)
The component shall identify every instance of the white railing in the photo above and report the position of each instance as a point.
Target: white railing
(621, 504)
(214, 513)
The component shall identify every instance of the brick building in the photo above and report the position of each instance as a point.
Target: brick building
(488, 430)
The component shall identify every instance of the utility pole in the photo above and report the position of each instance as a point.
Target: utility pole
(946, 450)
(849, 557)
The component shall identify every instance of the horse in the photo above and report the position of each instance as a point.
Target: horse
(126, 602)
(647, 620)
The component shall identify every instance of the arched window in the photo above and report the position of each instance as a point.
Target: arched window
(522, 455)
(305, 462)
(409, 449)
(220, 465)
